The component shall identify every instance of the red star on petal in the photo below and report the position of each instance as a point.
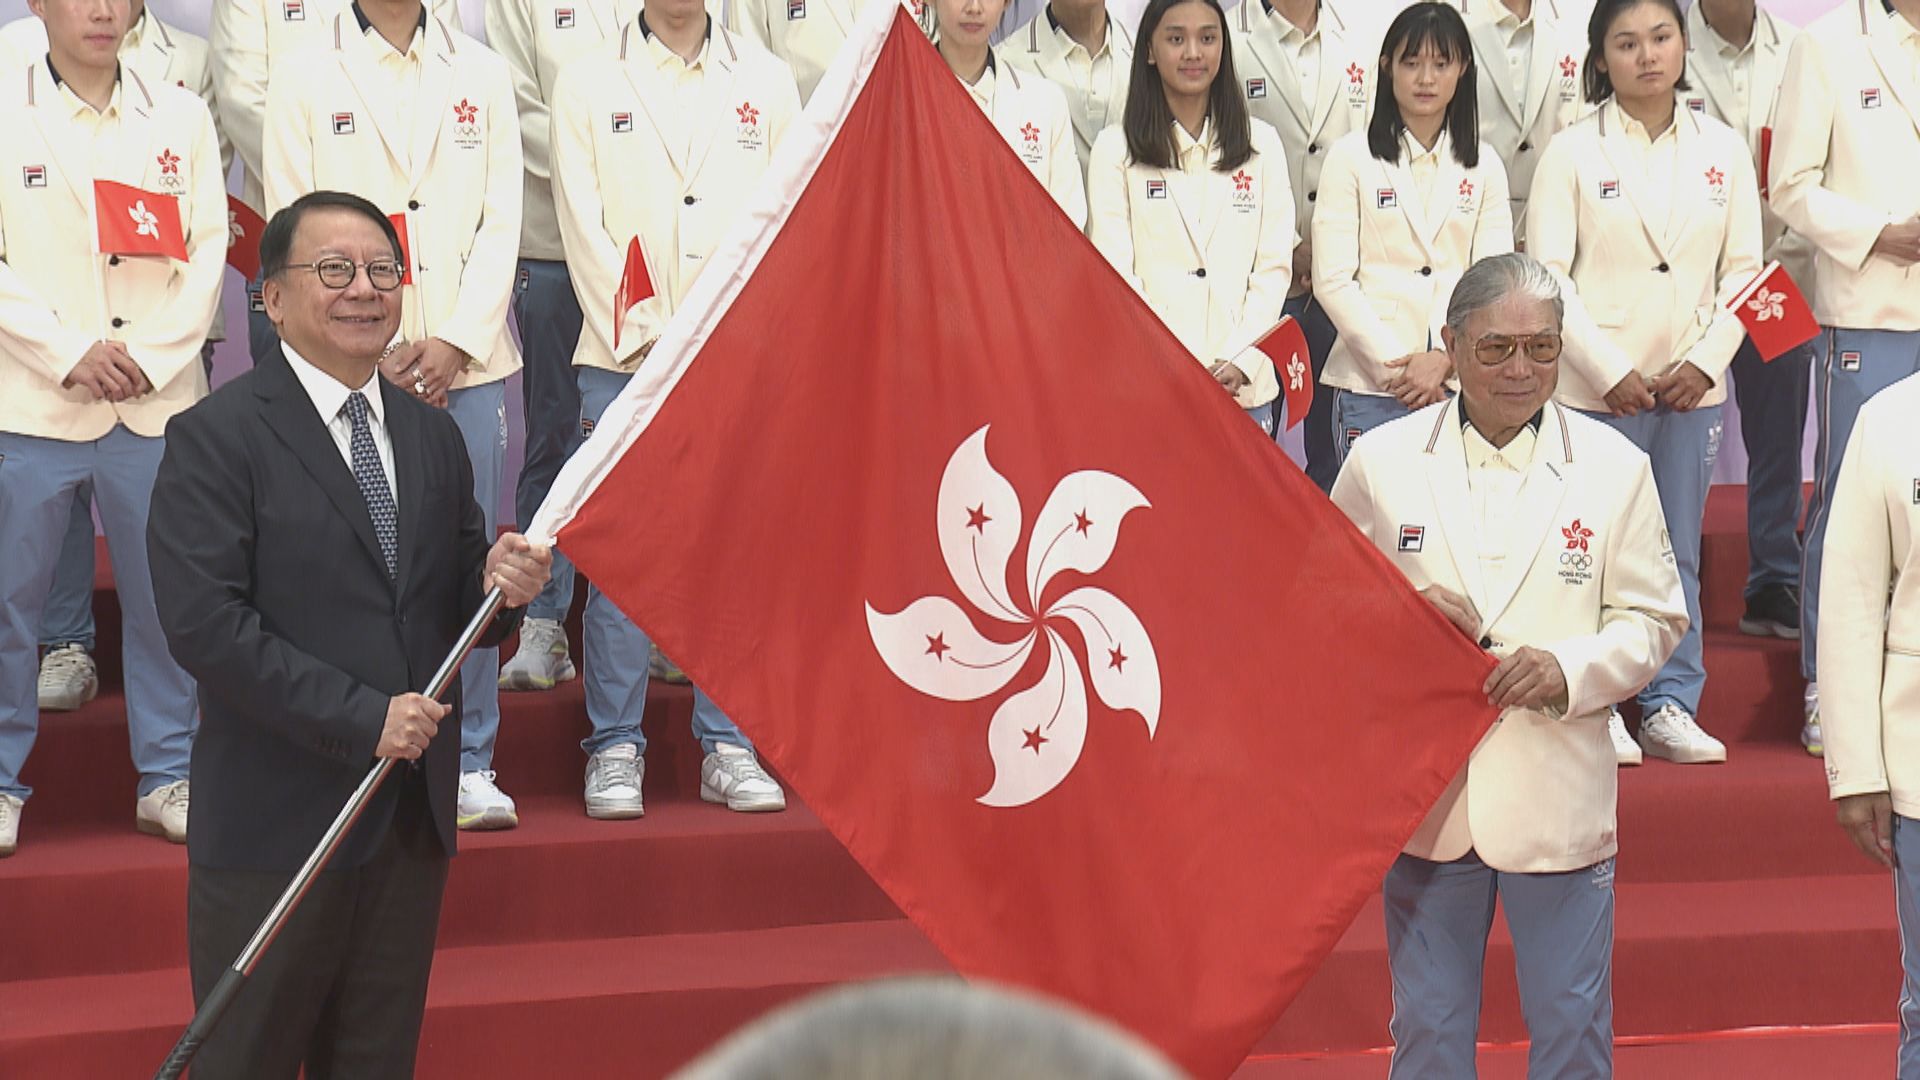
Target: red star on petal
(1116, 659)
(977, 518)
(1034, 739)
(937, 646)
(1082, 522)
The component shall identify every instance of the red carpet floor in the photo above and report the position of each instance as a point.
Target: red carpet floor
(570, 946)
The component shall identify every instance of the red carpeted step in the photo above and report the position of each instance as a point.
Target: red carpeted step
(1763, 814)
(1754, 689)
(1687, 957)
(624, 1007)
(687, 867)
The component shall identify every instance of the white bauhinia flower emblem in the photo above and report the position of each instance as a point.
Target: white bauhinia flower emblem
(1036, 735)
(1768, 305)
(144, 223)
(1296, 374)
(235, 230)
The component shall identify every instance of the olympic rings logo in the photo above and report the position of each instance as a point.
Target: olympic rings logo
(1578, 560)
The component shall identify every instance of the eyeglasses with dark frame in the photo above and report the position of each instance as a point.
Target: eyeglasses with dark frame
(338, 272)
(1496, 349)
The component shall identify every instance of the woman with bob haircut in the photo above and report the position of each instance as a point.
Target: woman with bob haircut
(1189, 200)
(1650, 215)
(1405, 207)
(1029, 112)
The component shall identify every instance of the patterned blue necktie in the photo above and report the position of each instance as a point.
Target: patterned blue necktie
(373, 482)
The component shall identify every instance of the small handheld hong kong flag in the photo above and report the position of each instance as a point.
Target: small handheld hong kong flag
(243, 238)
(1286, 346)
(1775, 314)
(407, 265)
(635, 286)
(131, 221)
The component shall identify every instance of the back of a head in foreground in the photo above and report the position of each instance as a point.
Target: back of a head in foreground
(928, 1028)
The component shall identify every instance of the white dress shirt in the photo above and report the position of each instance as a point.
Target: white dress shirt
(329, 396)
(1494, 476)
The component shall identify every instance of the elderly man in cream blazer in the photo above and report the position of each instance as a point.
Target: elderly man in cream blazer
(246, 39)
(1736, 55)
(158, 53)
(1846, 148)
(1304, 71)
(401, 108)
(1537, 532)
(697, 110)
(96, 353)
(1870, 656)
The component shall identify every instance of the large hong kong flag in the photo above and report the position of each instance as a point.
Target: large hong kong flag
(1095, 684)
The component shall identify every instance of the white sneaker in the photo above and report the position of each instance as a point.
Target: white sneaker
(613, 783)
(68, 679)
(9, 824)
(732, 775)
(1810, 730)
(541, 661)
(1671, 733)
(664, 669)
(1625, 750)
(482, 805)
(163, 812)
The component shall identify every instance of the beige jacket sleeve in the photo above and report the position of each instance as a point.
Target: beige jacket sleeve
(1857, 574)
(1802, 132)
(595, 258)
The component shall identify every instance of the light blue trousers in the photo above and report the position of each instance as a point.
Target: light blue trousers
(1849, 366)
(481, 414)
(1906, 895)
(1682, 447)
(1356, 414)
(1773, 418)
(616, 650)
(38, 479)
(1438, 916)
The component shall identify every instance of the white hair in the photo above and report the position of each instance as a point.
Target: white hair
(1498, 277)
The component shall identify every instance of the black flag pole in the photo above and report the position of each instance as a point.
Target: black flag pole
(207, 1016)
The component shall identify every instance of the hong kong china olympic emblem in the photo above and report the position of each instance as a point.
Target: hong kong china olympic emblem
(1576, 559)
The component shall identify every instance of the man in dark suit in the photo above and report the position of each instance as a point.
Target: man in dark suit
(316, 553)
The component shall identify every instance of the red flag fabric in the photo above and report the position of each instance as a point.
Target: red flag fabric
(635, 286)
(996, 589)
(1286, 346)
(1766, 158)
(406, 246)
(133, 221)
(1775, 313)
(243, 237)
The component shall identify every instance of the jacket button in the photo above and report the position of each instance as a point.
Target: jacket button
(413, 204)
(118, 322)
(1426, 271)
(1313, 148)
(113, 260)
(1663, 268)
(1202, 272)
(688, 200)
(1486, 642)
(1525, 146)
(1313, 196)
